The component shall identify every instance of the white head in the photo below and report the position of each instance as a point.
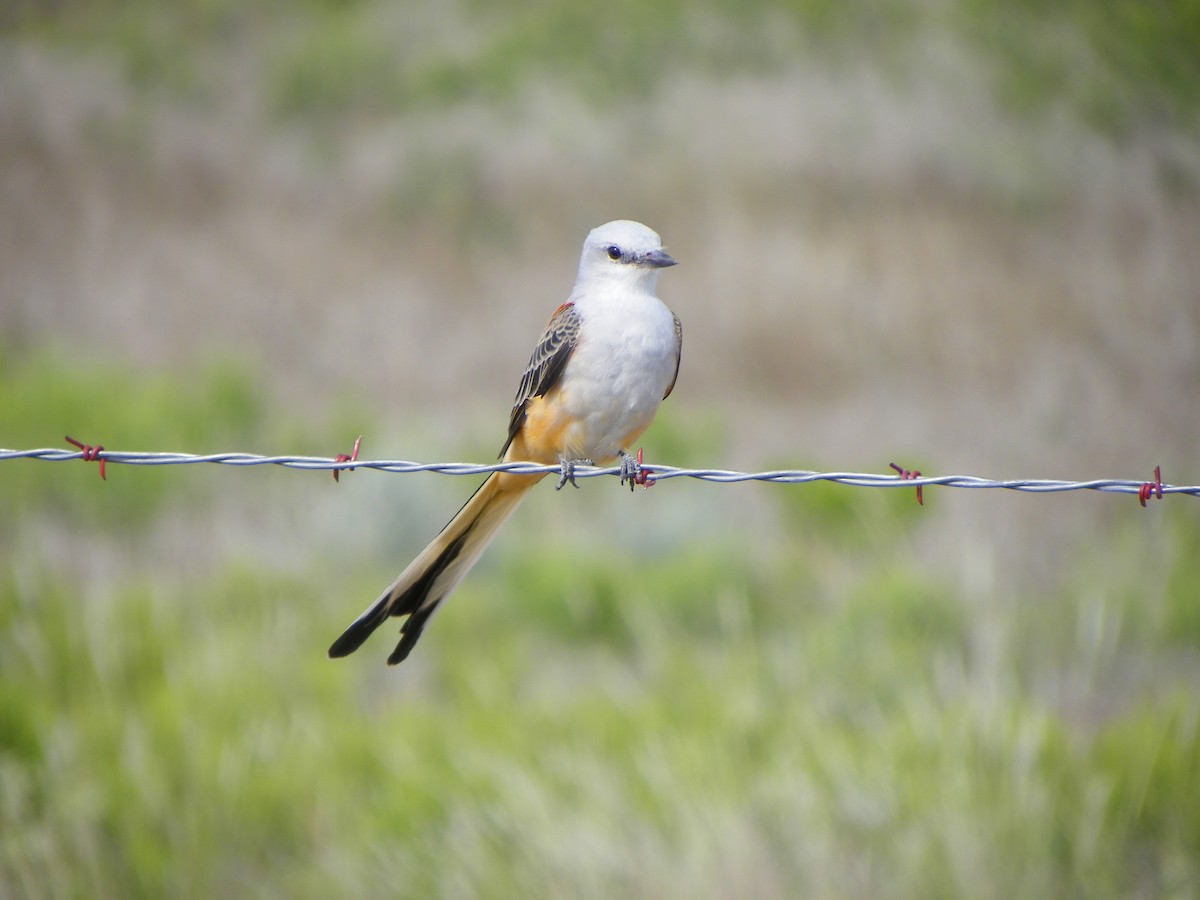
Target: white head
(623, 252)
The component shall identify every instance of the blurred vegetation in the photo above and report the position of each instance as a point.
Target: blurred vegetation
(798, 709)
(807, 714)
(44, 392)
(1121, 65)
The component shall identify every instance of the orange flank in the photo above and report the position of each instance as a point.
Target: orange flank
(544, 431)
(548, 434)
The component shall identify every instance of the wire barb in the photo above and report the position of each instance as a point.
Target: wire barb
(342, 457)
(906, 475)
(1154, 487)
(88, 453)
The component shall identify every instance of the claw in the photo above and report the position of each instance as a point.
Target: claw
(629, 470)
(567, 467)
(634, 472)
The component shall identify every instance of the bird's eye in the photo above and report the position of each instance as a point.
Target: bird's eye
(614, 252)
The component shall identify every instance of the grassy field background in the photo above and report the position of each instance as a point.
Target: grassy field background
(958, 235)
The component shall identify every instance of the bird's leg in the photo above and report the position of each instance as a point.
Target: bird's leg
(629, 468)
(633, 471)
(567, 467)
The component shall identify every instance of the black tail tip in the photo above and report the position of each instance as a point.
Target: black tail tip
(399, 655)
(352, 638)
(408, 639)
(361, 629)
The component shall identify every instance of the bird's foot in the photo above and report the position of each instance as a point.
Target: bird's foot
(634, 472)
(567, 467)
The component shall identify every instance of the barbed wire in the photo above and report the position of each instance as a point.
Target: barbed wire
(656, 472)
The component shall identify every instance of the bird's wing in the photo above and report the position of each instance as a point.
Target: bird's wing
(545, 365)
(678, 354)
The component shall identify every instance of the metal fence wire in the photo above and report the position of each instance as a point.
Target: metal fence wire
(902, 479)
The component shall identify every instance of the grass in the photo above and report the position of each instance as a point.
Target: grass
(807, 715)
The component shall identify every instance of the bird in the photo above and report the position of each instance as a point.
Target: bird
(594, 382)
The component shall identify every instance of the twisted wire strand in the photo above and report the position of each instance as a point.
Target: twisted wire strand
(660, 472)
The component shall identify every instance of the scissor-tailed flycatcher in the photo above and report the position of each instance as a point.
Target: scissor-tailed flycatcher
(608, 358)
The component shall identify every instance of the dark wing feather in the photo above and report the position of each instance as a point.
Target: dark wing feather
(545, 365)
(678, 354)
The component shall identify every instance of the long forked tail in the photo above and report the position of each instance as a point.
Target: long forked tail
(429, 579)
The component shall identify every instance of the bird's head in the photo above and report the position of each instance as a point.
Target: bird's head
(623, 251)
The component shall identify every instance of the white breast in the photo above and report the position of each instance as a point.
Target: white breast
(622, 365)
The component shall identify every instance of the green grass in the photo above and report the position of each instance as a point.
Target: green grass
(806, 713)
(193, 740)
